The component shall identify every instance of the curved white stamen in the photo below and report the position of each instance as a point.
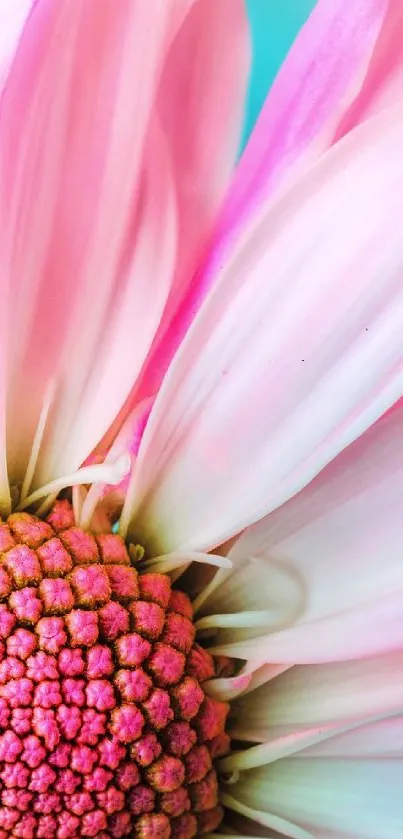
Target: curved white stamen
(89, 505)
(36, 445)
(46, 504)
(265, 819)
(288, 744)
(171, 561)
(208, 590)
(240, 620)
(106, 473)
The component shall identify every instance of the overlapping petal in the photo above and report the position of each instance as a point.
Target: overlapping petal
(341, 538)
(93, 175)
(382, 84)
(199, 107)
(316, 697)
(295, 352)
(201, 103)
(344, 65)
(317, 83)
(71, 158)
(380, 739)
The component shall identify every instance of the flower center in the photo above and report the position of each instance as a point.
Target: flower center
(105, 728)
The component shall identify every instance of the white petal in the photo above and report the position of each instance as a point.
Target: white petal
(316, 695)
(383, 738)
(342, 537)
(353, 799)
(295, 352)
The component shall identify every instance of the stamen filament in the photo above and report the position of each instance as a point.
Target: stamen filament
(47, 504)
(238, 620)
(169, 562)
(281, 747)
(265, 819)
(36, 445)
(89, 505)
(107, 473)
(208, 590)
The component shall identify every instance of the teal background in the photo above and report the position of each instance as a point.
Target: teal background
(274, 25)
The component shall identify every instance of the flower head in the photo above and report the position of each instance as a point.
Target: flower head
(213, 368)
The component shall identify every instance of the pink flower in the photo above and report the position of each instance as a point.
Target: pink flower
(236, 337)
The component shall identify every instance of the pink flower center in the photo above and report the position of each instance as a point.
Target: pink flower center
(105, 729)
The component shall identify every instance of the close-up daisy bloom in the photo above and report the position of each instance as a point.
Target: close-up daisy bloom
(201, 428)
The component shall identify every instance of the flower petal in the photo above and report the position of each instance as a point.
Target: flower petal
(319, 79)
(13, 15)
(333, 64)
(76, 194)
(345, 65)
(320, 695)
(342, 537)
(295, 352)
(132, 319)
(382, 738)
(331, 797)
(200, 103)
(383, 81)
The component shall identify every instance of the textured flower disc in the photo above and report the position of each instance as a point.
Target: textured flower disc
(105, 730)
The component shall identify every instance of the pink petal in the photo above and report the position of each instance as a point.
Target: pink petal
(315, 86)
(295, 352)
(304, 113)
(13, 15)
(83, 206)
(200, 103)
(341, 537)
(345, 65)
(383, 81)
(132, 319)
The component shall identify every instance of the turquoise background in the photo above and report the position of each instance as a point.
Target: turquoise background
(274, 25)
